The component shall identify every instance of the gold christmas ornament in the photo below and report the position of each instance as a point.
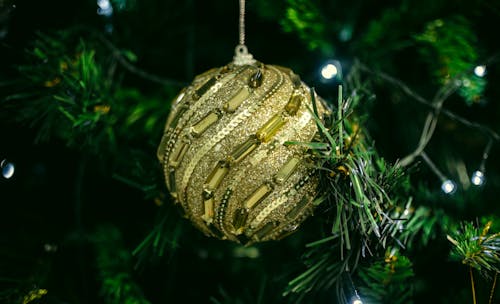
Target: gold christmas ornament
(224, 154)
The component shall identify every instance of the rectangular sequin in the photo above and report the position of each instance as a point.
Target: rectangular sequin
(204, 88)
(202, 125)
(244, 149)
(265, 230)
(287, 170)
(239, 220)
(178, 154)
(293, 105)
(209, 209)
(172, 187)
(236, 100)
(178, 114)
(257, 196)
(267, 131)
(292, 214)
(217, 175)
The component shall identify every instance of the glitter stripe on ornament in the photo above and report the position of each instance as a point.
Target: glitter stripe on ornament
(287, 134)
(286, 195)
(238, 155)
(235, 122)
(241, 174)
(201, 102)
(245, 150)
(172, 138)
(269, 208)
(186, 117)
(173, 130)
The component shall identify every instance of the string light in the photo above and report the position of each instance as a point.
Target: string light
(105, 8)
(50, 248)
(448, 186)
(480, 70)
(477, 178)
(8, 169)
(330, 70)
(356, 299)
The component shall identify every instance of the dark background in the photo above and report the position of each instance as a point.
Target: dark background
(59, 194)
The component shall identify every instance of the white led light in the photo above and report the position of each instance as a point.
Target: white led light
(103, 4)
(448, 186)
(478, 178)
(105, 8)
(329, 71)
(357, 301)
(480, 70)
(7, 169)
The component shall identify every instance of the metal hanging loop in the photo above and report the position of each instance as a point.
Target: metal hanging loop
(241, 54)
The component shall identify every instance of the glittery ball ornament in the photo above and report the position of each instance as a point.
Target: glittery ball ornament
(225, 157)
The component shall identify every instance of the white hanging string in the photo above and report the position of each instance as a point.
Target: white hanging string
(241, 55)
(242, 22)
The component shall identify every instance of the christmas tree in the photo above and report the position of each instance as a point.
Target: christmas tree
(406, 208)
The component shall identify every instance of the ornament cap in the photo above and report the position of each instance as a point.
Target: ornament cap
(242, 56)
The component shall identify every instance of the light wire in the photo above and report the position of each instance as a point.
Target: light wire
(432, 166)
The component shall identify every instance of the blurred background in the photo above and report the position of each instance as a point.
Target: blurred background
(85, 89)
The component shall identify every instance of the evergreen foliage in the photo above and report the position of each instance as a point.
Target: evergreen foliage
(84, 97)
(114, 267)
